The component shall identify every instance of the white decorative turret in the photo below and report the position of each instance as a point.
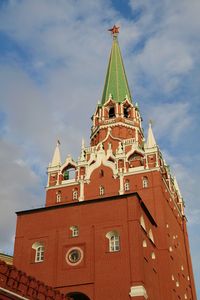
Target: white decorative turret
(54, 167)
(151, 142)
(82, 157)
(56, 160)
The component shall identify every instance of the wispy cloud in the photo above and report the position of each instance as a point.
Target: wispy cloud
(171, 120)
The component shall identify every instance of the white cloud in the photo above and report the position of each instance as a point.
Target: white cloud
(171, 120)
(17, 180)
(170, 31)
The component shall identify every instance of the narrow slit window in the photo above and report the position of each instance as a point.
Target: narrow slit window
(58, 197)
(127, 185)
(111, 112)
(145, 182)
(75, 194)
(101, 190)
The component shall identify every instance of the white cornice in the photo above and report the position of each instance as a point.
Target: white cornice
(11, 294)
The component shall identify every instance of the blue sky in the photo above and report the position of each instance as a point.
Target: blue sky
(53, 59)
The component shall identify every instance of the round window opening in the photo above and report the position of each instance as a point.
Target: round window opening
(74, 256)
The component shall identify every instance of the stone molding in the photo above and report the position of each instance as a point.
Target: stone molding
(138, 291)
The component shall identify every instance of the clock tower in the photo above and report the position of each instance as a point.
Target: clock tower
(113, 226)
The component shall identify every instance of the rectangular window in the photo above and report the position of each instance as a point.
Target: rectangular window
(114, 244)
(39, 255)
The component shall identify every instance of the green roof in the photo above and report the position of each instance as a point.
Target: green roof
(116, 82)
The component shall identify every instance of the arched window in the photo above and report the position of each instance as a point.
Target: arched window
(75, 194)
(39, 251)
(114, 241)
(101, 190)
(145, 182)
(142, 223)
(75, 231)
(151, 235)
(69, 172)
(58, 196)
(126, 112)
(111, 112)
(127, 185)
(153, 256)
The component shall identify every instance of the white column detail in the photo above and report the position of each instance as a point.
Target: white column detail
(58, 175)
(157, 164)
(81, 197)
(121, 182)
(136, 135)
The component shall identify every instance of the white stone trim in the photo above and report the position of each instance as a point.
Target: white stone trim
(64, 183)
(138, 291)
(172, 196)
(137, 169)
(134, 149)
(7, 292)
(69, 161)
(100, 159)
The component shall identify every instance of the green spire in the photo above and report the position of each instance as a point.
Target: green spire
(116, 83)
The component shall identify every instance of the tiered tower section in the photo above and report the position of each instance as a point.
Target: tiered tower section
(118, 160)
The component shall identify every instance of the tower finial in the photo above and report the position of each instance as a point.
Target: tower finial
(114, 30)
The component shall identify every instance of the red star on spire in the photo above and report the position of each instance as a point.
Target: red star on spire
(114, 30)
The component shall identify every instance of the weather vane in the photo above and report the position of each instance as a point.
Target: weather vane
(151, 122)
(114, 30)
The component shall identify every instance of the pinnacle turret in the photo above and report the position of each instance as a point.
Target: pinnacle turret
(151, 142)
(116, 84)
(56, 160)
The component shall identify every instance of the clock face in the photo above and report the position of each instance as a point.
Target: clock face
(74, 256)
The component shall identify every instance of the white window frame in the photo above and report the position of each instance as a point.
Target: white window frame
(75, 194)
(58, 197)
(145, 182)
(114, 241)
(75, 231)
(127, 185)
(39, 251)
(101, 190)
